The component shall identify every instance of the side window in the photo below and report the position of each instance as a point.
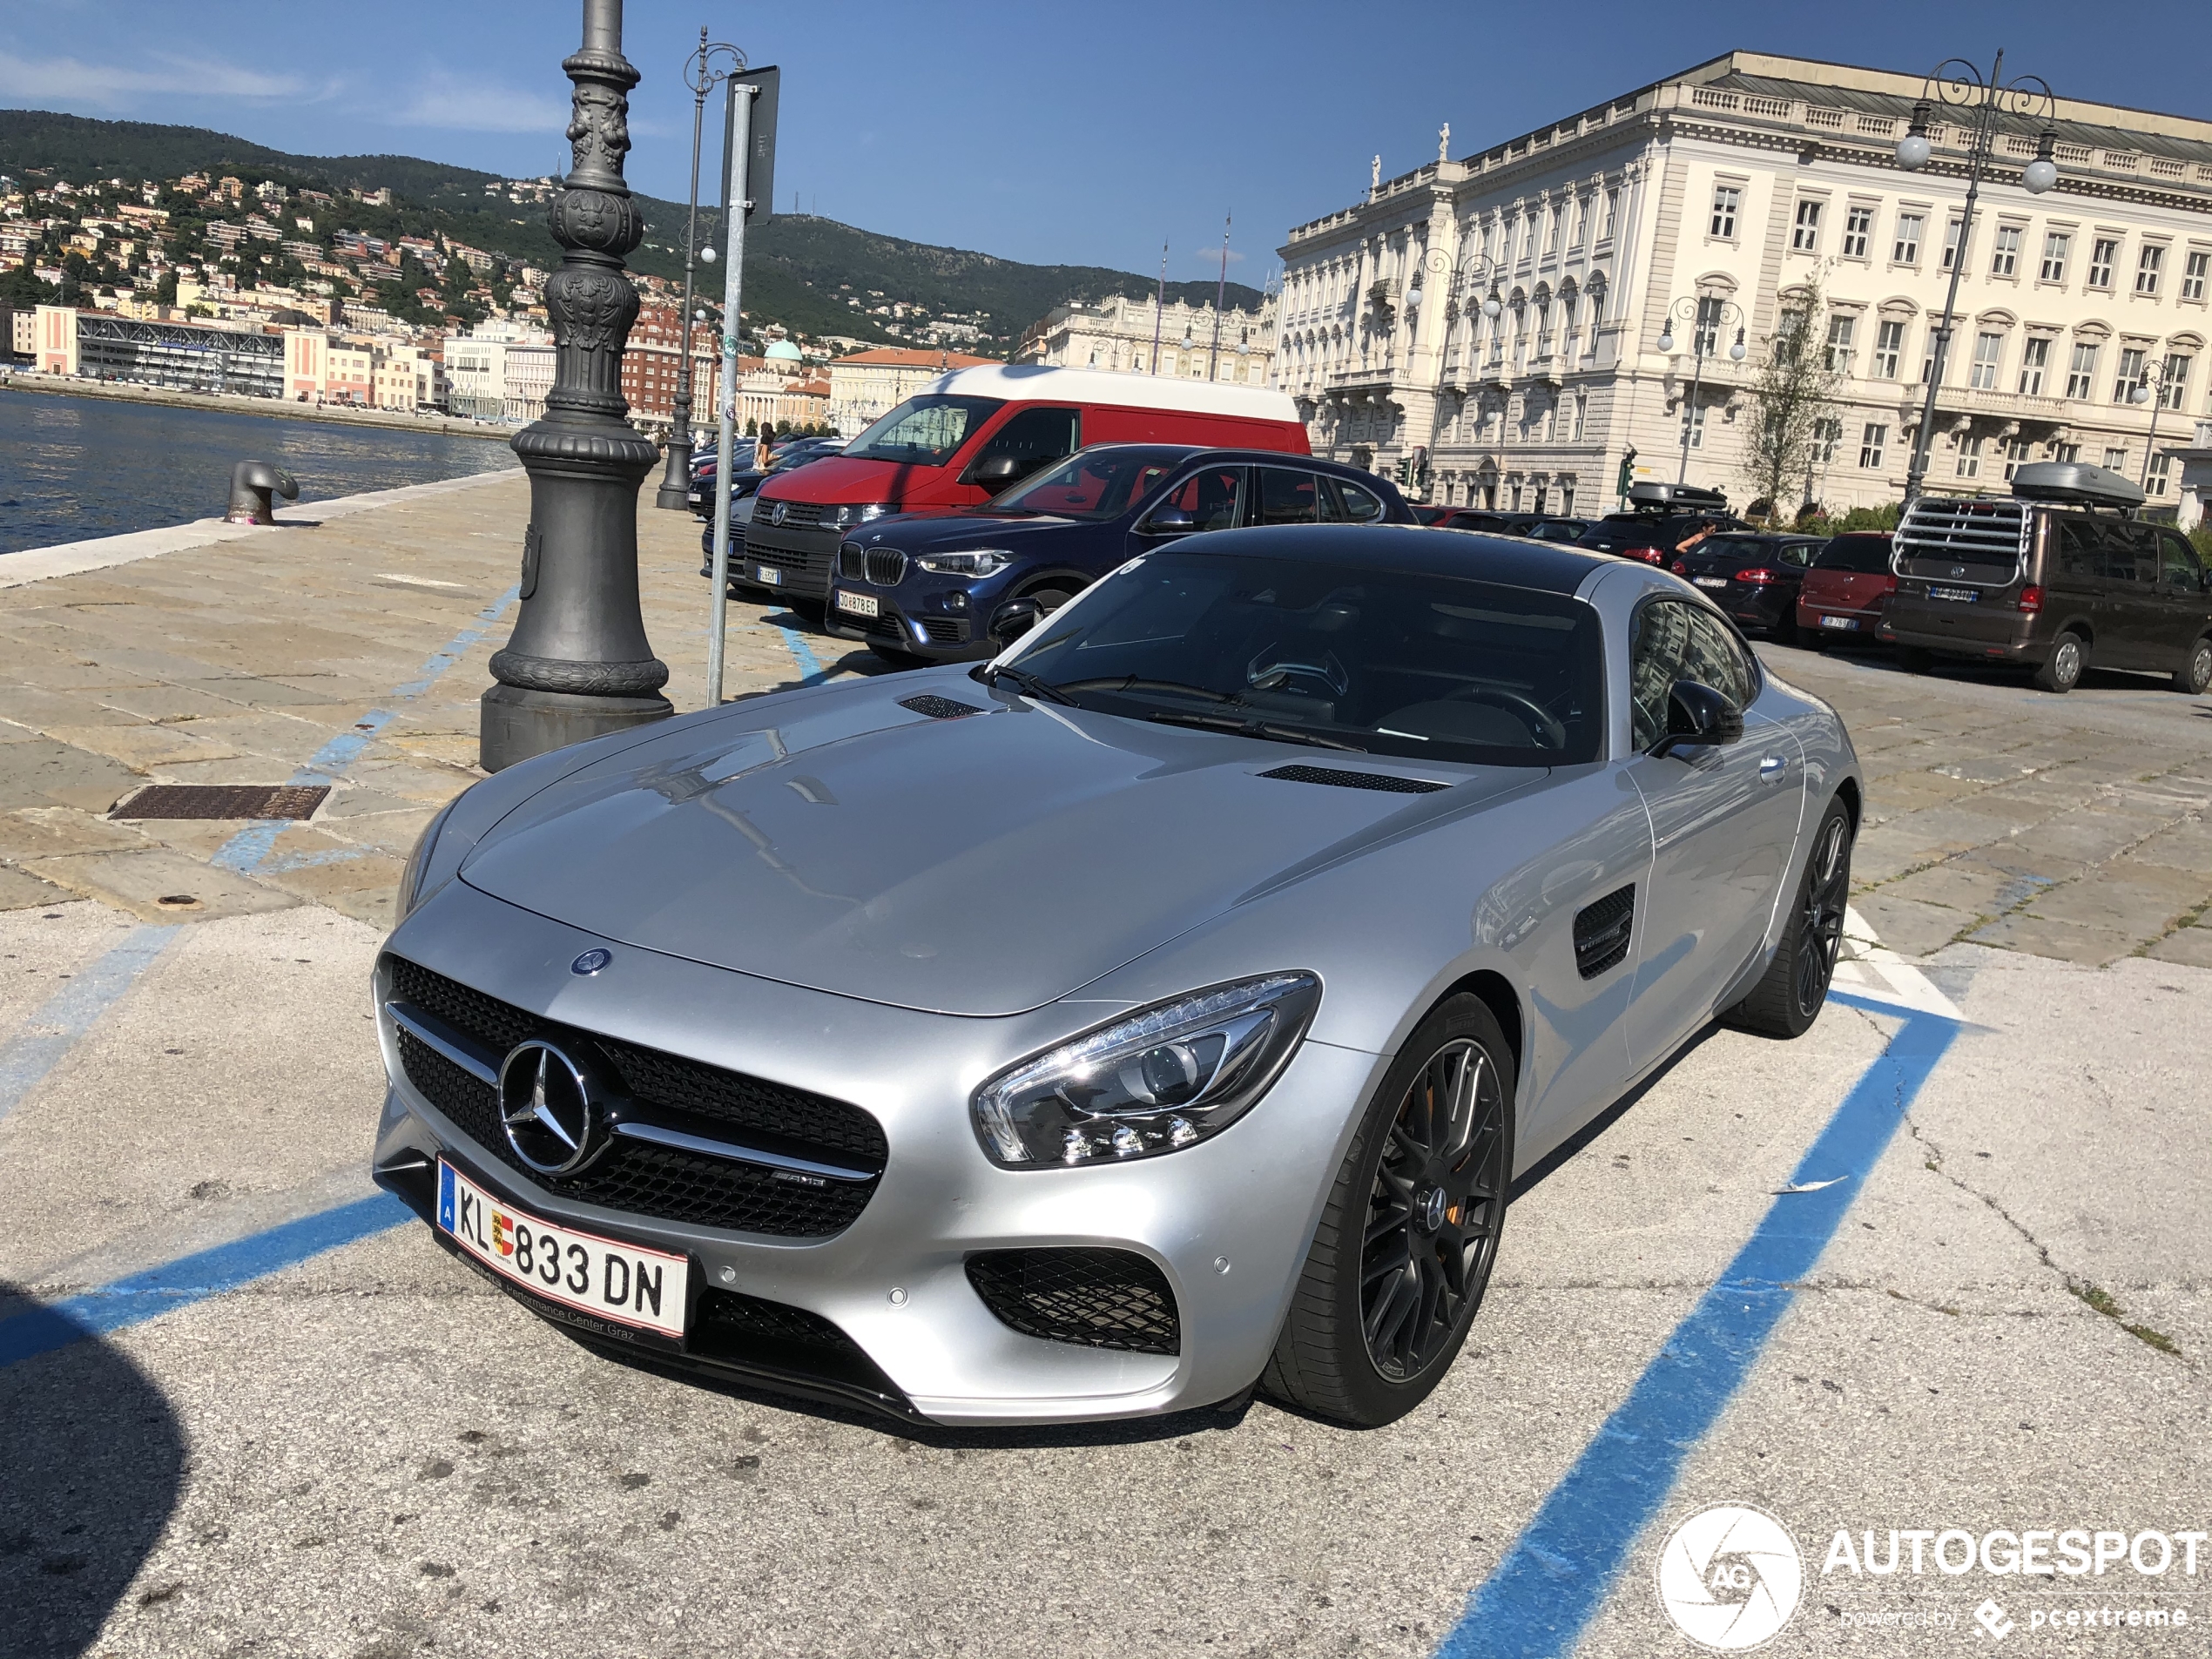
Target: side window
(1714, 659)
(1655, 656)
(2081, 554)
(1348, 504)
(2131, 551)
(1286, 497)
(1213, 496)
(1035, 436)
(2178, 564)
(1798, 553)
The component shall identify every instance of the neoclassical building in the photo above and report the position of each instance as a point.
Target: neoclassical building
(1118, 333)
(1749, 182)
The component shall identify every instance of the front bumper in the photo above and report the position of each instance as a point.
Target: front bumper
(938, 636)
(1227, 1223)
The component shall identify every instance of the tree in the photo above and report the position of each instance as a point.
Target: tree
(1793, 399)
(20, 289)
(164, 293)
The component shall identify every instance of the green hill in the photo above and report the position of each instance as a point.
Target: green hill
(798, 269)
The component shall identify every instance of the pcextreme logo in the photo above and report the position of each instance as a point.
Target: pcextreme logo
(1729, 1577)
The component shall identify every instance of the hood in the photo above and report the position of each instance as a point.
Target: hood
(949, 532)
(980, 865)
(835, 480)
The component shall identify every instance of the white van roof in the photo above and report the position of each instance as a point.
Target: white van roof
(1036, 383)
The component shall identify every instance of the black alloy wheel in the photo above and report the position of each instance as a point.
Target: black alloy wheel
(1791, 994)
(1405, 1244)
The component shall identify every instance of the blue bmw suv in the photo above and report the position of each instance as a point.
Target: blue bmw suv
(959, 585)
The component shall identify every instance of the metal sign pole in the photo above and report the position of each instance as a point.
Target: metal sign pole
(732, 288)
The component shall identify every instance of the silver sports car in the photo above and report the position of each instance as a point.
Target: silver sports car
(1161, 1009)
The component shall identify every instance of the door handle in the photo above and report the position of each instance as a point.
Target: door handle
(1772, 767)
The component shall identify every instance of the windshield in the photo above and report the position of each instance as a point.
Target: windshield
(922, 431)
(1422, 667)
(1859, 555)
(1102, 483)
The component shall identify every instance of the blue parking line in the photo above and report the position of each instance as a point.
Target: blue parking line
(1561, 1569)
(52, 1030)
(810, 666)
(126, 1302)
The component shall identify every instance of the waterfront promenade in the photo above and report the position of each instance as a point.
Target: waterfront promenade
(25, 379)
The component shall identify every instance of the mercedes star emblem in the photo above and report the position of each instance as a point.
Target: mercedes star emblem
(591, 962)
(550, 1108)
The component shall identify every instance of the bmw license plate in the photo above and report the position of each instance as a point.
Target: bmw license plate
(619, 1283)
(860, 604)
(1839, 621)
(768, 576)
(1957, 595)
(1710, 581)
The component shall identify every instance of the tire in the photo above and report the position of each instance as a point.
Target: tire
(2061, 670)
(1365, 1342)
(810, 612)
(892, 657)
(2194, 675)
(1785, 631)
(1049, 599)
(1914, 659)
(1789, 995)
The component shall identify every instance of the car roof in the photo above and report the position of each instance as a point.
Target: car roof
(1242, 457)
(1411, 550)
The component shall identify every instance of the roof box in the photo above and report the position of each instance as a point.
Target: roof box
(1676, 498)
(2076, 480)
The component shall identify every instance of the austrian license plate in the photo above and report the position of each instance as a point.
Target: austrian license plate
(615, 1282)
(1957, 595)
(1839, 621)
(768, 576)
(860, 604)
(1710, 581)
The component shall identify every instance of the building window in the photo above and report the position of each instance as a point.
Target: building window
(2160, 465)
(1554, 222)
(1612, 210)
(2035, 357)
(1872, 439)
(2149, 264)
(1566, 499)
(2016, 452)
(2068, 453)
(1582, 413)
(2116, 458)
(2055, 247)
(2005, 258)
(1983, 376)
(1858, 225)
(1952, 233)
(1970, 455)
(1841, 329)
(1889, 344)
(1693, 425)
(2174, 387)
(1804, 238)
(2104, 254)
(1909, 226)
(1582, 224)
(1516, 498)
(2193, 274)
(2081, 370)
(1826, 435)
(1726, 199)
(2130, 375)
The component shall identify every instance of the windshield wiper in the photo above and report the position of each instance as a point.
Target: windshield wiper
(1132, 683)
(1030, 684)
(1247, 727)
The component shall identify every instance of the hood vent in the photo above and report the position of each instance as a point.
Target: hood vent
(938, 708)
(1342, 780)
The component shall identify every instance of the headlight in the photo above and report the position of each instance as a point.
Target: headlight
(413, 890)
(976, 562)
(843, 517)
(1153, 1082)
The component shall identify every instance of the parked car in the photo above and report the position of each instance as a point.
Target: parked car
(970, 435)
(1541, 527)
(944, 588)
(1753, 576)
(1165, 1009)
(1663, 519)
(1844, 594)
(1430, 513)
(743, 486)
(2057, 576)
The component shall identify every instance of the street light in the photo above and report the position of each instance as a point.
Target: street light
(2150, 388)
(1707, 315)
(702, 76)
(1473, 270)
(1960, 84)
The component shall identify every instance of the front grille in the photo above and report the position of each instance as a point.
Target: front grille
(887, 566)
(945, 631)
(1340, 778)
(806, 571)
(852, 563)
(886, 625)
(797, 514)
(788, 1342)
(637, 1176)
(1094, 1299)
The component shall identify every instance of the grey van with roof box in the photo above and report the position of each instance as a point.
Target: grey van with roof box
(2059, 575)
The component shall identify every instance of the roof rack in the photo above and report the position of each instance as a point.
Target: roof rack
(1680, 498)
(2077, 481)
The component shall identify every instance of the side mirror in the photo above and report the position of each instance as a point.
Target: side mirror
(1169, 520)
(1014, 618)
(1698, 716)
(995, 472)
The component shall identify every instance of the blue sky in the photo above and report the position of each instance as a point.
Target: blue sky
(1037, 132)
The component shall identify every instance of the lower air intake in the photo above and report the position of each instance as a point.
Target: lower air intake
(1094, 1299)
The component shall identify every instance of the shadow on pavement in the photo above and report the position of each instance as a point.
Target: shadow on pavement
(91, 1461)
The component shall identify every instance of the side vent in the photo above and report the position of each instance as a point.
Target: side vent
(1342, 780)
(938, 708)
(1602, 932)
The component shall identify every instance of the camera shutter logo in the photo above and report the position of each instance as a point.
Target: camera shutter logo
(1729, 1577)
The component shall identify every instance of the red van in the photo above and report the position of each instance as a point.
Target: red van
(971, 434)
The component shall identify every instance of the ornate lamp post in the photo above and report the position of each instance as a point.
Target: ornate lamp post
(577, 664)
(1474, 270)
(1707, 315)
(1959, 84)
(2150, 388)
(702, 77)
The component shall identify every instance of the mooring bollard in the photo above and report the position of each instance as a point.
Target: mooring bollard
(251, 484)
